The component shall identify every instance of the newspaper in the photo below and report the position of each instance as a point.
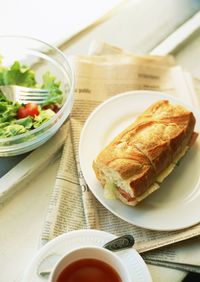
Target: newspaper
(184, 255)
(99, 76)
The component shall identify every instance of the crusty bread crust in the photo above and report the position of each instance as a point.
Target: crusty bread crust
(140, 153)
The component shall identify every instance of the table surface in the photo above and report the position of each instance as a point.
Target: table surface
(22, 217)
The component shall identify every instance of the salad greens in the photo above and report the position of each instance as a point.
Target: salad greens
(18, 74)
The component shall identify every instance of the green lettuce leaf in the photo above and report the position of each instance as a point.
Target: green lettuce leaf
(44, 116)
(17, 75)
(50, 83)
(27, 122)
(8, 111)
(12, 130)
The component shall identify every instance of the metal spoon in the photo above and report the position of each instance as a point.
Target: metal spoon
(118, 244)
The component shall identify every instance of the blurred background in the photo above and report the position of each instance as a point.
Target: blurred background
(140, 26)
(51, 21)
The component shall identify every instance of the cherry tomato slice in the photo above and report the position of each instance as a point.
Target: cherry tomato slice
(22, 112)
(29, 109)
(32, 109)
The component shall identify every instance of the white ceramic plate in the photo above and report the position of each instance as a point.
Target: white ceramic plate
(176, 204)
(71, 240)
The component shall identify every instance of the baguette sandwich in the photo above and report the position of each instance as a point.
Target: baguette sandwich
(134, 164)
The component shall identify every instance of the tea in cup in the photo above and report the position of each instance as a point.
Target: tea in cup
(90, 264)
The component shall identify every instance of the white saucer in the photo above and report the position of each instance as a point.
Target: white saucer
(71, 240)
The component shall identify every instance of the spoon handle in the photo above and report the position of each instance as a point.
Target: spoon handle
(120, 243)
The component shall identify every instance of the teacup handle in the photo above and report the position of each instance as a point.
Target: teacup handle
(47, 264)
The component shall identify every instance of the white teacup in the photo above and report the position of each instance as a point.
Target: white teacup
(96, 253)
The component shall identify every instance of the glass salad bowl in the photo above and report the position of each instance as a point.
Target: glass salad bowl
(32, 63)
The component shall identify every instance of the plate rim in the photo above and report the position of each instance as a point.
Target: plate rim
(161, 95)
